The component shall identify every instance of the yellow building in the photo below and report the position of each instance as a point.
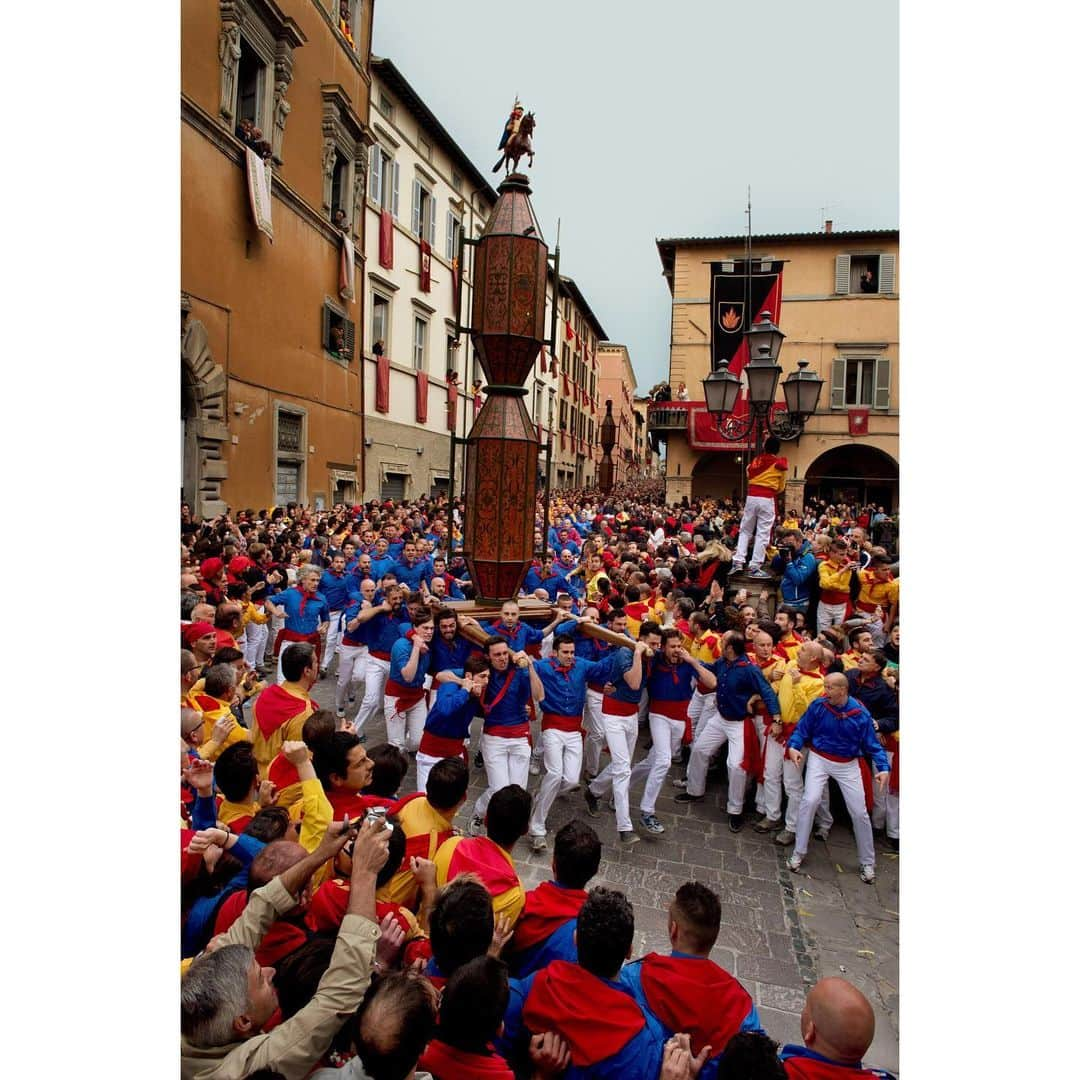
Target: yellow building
(843, 322)
(270, 363)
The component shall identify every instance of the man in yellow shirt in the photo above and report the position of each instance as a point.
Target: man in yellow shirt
(767, 476)
(834, 580)
(489, 856)
(214, 701)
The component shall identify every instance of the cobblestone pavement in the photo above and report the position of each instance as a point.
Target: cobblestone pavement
(781, 932)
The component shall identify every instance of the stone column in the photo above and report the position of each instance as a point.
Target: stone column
(793, 496)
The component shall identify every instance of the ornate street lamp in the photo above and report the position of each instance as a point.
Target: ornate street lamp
(606, 472)
(802, 389)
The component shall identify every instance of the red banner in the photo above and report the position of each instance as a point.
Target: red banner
(858, 421)
(570, 335)
(543, 361)
(386, 240)
(421, 397)
(477, 403)
(451, 406)
(425, 266)
(565, 385)
(382, 384)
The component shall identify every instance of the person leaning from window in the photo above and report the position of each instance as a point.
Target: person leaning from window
(226, 997)
(866, 282)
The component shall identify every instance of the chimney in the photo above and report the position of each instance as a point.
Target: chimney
(828, 226)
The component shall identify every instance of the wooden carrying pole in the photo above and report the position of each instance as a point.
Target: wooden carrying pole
(473, 633)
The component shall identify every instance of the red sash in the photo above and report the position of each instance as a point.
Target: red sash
(407, 696)
(499, 696)
(753, 762)
(595, 1019)
(440, 746)
(283, 773)
(448, 1063)
(674, 710)
(834, 596)
(614, 707)
(353, 803)
(275, 707)
(695, 996)
(482, 856)
(547, 907)
(892, 744)
(864, 772)
(558, 722)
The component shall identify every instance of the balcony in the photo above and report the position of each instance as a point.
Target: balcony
(665, 416)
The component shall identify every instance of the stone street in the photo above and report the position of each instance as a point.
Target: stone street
(781, 932)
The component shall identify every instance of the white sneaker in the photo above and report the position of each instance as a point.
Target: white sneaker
(681, 784)
(794, 862)
(538, 843)
(476, 826)
(866, 873)
(821, 834)
(534, 767)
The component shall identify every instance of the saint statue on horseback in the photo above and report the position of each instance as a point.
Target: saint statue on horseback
(516, 138)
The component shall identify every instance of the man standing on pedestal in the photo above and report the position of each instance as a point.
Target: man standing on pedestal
(767, 475)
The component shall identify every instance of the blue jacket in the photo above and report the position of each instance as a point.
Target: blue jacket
(736, 683)
(557, 946)
(453, 711)
(879, 698)
(199, 925)
(798, 572)
(847, 732)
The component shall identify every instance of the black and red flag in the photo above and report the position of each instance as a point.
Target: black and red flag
(728, 305)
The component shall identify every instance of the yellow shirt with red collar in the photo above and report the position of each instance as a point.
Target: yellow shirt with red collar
(279, 715)
(766, 475)
(636, 614)
(494, 866)
(425, 829)
(811, 685)
(876, 589)
(706, 649)
(592, 588)
(254, 614)
(789, 644)
(784, 690)
(835, 582)
(849, 659)
(213, 709)
(230, 812)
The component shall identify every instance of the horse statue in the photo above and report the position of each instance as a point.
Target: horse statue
(518, 144)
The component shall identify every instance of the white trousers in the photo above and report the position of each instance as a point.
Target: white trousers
(887, 808)
(562, 762)
(702, 706)
(780, 769)
(621, 734)
(378, 671)
(593, 722)
(829, 615)
(255, 643)
(424, 764)
(757, 521)
(666, 738)
(404, 726)
(713, 734)
(506, 762)
(333, 639)
(352, 667)
(848, 776)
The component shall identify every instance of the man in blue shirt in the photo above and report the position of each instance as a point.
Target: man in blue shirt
(449, 719)
(305, 611)
(338, 589)
(387, 621)
(382, 560)
(404, 701)
(353, 650)
(410, 568)
(564, 678)
(842, 732)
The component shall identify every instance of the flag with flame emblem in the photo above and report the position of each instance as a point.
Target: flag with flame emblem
(731, 318)
(858, 421)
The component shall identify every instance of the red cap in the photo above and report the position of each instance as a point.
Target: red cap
(194, 631)
(210, 568)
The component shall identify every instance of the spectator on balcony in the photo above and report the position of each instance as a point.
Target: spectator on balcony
(682, 394)
(867, 283)
(663, 392)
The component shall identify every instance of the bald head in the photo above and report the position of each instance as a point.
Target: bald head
(203, 613)
(809, 655)
(274, 859)
(837, 1021)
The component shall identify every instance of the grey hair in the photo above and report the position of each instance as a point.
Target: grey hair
(220, 677)
(213, 993)
(308, 571)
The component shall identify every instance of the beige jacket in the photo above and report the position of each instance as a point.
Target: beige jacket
(294, 1047)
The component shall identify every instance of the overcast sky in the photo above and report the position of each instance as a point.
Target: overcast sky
(652, 119)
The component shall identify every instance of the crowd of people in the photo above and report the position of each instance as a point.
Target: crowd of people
(340, 922)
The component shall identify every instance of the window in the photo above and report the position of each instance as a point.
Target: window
(562, 415)
(862, 274)
(420, 327)
(537, 398)
(385, 106)
(455, 180)
(290, 431)
(290, 446)
(250, 86)
(349, 21)
(393, 486)
(453, 234)
(383, 183)
(342, 158)
(551, 406)
(339, 182)
(590, 432)
(423, 147)
(287, 488)
(860, 381)
(451, 353)
(566, 358)
(423, 213)
(380, 321)
(338, 333)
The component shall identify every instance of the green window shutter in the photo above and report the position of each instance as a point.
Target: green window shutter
(350, 338)
(881, 383)
(326, 328)
(843, 275)
(839, 377)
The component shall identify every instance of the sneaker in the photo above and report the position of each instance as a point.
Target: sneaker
(478, 761)
(628, 838)
(538, 843)
(893, 843)
(322, 673)
(589, 776)
(352, 699)
(534, 767)
(681, 784)
(592, 803)
(685, 797)
(794, 862)
(735, 822)
(341, 714)
(760, 575)
(821, 834)
(476, 826)
(784, 838)
(765, 825)
(866, 873)
(651, 823)
(736, 567)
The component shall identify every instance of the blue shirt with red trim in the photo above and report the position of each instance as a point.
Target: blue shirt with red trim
(509, 707)
(518, 638)
(564, 688)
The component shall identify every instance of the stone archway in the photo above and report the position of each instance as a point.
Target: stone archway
(855, 473)
(719, 475)
(202, 410)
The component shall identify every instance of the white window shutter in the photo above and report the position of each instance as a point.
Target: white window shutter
(394, 200)
(839, 378)
(416, 207)
(450, 235)
(881, 383)
(375, 173)
(887, 274)
(431, 221)
(843, 275)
